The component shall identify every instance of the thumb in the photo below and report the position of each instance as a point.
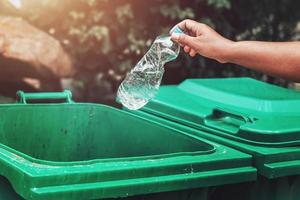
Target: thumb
(184, 40)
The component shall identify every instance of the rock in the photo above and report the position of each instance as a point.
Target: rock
(27, 52)
(6, 99)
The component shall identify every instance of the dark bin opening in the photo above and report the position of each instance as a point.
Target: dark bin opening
(6, 190)
(84, 132)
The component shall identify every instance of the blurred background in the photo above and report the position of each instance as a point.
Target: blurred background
(88, 46)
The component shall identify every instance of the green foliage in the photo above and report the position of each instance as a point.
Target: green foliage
(219, 3)
(106, 38)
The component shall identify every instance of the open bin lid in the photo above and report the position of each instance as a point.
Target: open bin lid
(242, 109)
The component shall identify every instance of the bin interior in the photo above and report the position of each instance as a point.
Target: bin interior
(69, 132)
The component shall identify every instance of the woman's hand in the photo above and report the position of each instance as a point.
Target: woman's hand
(201, 39)
(280, 59)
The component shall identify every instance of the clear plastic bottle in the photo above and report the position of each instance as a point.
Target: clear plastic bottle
(142, 82)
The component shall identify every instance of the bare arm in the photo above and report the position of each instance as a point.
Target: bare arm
(280, 59)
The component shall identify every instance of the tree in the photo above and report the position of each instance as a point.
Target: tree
(107, 38)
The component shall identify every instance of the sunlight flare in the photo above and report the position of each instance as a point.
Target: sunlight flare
(16, 3)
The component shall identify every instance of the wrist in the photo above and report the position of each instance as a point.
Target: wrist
(226, 52)
(230, 50)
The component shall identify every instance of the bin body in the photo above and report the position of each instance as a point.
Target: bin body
(75, 151)
(251, 116)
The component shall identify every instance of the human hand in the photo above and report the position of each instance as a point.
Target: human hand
(201, 39)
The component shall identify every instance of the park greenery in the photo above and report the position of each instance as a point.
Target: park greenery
(107, 37)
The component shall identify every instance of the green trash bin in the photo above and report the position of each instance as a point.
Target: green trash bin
(251, 116)
(65, 150)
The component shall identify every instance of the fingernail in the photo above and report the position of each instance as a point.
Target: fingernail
(175, 36)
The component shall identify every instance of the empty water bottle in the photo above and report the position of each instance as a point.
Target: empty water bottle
(142, 82)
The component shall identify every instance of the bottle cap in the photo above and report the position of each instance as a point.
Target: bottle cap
(176, 29)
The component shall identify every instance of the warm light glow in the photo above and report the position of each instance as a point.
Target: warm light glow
(16, 3)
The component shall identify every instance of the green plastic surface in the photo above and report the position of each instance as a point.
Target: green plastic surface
(184, 111)
(89, 151)
(243, 109)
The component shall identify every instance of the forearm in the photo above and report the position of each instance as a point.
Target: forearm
(280, 59)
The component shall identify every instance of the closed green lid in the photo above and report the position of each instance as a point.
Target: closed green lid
(242, 109)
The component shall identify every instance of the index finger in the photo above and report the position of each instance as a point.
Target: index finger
(189, 26)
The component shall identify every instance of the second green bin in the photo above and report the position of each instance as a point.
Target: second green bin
(251, 116)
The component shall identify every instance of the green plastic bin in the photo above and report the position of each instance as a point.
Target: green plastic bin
(65, 150)
(251, 116)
